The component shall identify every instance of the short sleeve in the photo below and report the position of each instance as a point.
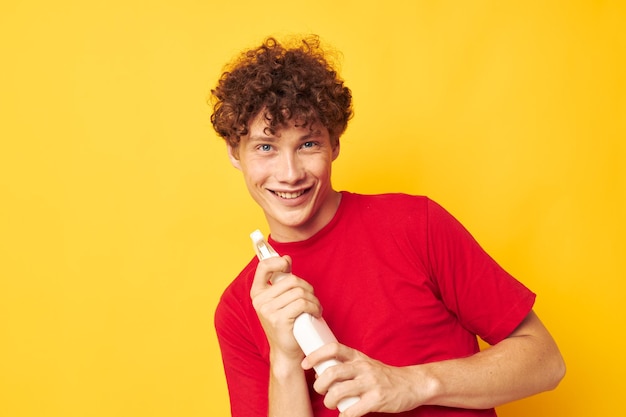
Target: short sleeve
(486, 299)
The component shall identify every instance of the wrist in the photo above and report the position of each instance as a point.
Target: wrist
(283, 365)
(431, 387)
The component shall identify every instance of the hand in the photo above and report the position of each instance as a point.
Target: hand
(277, 305)
(381, 388)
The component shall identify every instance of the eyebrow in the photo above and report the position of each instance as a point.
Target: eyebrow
(273, 138)
(262, 138)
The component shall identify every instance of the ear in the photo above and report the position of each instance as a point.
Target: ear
(336, 149)
(233, 155)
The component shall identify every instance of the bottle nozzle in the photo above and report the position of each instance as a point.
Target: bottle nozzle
(261, 247)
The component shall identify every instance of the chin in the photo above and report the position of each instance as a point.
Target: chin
(292, 221)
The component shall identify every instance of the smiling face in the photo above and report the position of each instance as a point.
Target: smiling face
(288, 174)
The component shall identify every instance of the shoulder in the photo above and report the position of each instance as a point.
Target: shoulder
(387, 202)
(394, 207)
(401, 214)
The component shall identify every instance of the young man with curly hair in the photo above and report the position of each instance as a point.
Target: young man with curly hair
(405, 287)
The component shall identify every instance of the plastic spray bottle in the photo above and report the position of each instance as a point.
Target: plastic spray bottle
(310, 332)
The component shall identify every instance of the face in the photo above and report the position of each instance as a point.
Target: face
(288, 174)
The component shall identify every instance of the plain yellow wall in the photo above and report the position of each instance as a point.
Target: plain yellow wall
(122, 221)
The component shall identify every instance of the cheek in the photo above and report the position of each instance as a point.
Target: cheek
(254, 174)
(322, 168)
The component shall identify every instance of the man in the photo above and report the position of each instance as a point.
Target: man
(405, 288)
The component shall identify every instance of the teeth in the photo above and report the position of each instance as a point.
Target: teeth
(289, 195)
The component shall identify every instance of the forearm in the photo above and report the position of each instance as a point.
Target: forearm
(288, 390)
(526, 363)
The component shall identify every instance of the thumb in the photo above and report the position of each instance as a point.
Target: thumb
(269, 272)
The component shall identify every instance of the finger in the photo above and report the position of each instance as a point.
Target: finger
(264, 271)
(287, 290)
(360, 408)
(283, 302)
(335, 379)
(291, 303)
(346, 391)
(337, 351)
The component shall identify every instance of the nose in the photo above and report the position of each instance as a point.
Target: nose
(290, 168)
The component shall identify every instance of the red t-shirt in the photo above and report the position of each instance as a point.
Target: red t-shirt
(400, 280)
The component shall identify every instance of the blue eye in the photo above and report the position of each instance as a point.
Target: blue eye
(265, 148)
(308, 144)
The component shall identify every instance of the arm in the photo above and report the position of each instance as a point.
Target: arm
(525, 363)
(288, 391)
(278, 306)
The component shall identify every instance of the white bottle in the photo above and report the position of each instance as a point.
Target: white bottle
(310, 332)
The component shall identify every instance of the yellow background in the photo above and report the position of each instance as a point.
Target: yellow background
(121, 220)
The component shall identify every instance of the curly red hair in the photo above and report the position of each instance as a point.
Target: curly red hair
(286, 83)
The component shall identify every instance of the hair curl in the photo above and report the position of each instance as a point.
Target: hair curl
(286, 83)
